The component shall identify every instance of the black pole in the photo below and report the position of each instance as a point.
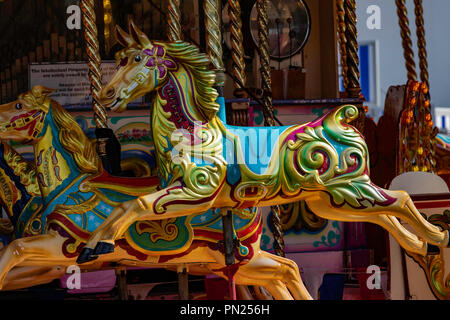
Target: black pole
(228, 237)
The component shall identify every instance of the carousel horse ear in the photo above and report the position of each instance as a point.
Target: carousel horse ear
(39, 91)
(123, 37)
(139, 36)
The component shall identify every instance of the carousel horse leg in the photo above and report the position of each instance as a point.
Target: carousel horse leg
(280, 276)
(412, 216)
(386, 217)
(39, 250)
(24, 277)
(143, 208)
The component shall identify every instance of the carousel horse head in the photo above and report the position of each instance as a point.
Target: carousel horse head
(144, 66)
(35, 117)
(22, 120)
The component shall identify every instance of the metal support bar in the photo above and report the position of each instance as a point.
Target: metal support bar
(183, 283)
(229, 246)
(121, 274)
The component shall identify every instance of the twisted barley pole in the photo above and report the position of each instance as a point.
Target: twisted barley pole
(351, 34)
(421, 43)
(406, 40)
(264, 55)
(93, 52)
(175, 33)
(174, 20)
(237, 39)
(214, 39)
(342, 40)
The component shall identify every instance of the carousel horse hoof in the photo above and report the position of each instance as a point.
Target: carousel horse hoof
(86, 255)
(433, 250)
(103, 248)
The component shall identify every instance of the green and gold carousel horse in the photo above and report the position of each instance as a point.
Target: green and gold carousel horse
(72, 196)
(205, 164)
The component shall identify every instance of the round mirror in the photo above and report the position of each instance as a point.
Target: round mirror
(289, 27)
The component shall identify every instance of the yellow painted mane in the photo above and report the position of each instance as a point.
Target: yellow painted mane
(203, 78)
(74, 140)
(71, 137)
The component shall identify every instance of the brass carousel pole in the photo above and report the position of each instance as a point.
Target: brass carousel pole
(214, 40)
(264, 58)
(174, 34)
(174, 20)
(342, 40)
(351, 34)
(104, 134)
(265, 69)
(353, 88)
(214, 50)
(240, 111)
(93, 51)
(108, 147)
(237, 39)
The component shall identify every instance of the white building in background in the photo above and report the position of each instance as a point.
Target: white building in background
(384, 52)
(442, 119)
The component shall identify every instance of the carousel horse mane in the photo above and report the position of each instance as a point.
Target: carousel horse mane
(71, 137)
(196, 62)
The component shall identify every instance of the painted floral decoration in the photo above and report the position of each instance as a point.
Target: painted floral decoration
(159, 60)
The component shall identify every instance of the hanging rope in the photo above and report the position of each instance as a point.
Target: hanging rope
(421, 43)
(342, 40)
(406, 40)
(174, 20)
(268, 111)
(237, 53)
(93, 52)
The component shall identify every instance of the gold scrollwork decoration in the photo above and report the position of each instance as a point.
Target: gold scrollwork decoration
(159, 230)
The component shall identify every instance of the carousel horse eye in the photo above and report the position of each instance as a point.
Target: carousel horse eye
(138, 58)
(19, 106)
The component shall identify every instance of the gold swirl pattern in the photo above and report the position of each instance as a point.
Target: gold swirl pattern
(159, 230)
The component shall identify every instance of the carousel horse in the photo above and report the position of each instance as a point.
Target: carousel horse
(77, 196)
(204, 163)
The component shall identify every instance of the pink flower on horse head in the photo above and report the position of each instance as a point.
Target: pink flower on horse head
(158, 59)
